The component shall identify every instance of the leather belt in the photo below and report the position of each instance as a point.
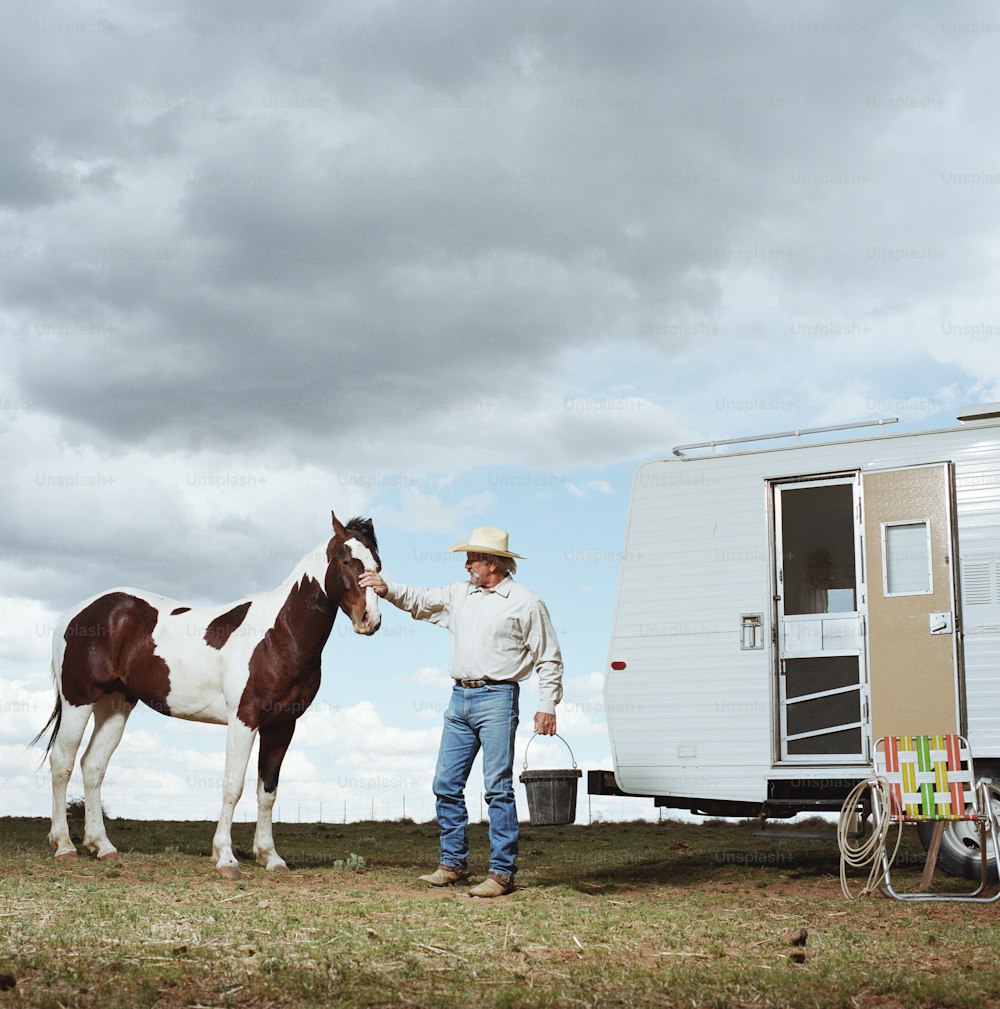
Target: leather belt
(473, 683)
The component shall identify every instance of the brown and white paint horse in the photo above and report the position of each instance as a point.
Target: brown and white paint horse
(253, 665)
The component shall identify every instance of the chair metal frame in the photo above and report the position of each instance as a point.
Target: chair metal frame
(932, 778)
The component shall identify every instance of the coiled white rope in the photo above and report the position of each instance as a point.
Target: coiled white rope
(870, 850)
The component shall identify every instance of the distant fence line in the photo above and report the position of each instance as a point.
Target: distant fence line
(590, 809)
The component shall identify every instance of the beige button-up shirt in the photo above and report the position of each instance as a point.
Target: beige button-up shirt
(501, 633)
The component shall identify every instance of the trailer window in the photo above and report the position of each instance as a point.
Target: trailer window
(906, 558)
(818, 559)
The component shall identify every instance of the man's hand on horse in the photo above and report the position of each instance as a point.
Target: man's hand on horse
(373, 580)
(545, 723)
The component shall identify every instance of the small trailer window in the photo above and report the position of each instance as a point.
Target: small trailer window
(906, 558)
(818, 565)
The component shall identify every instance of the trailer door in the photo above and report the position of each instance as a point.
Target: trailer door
(821, 655)
(910, 585)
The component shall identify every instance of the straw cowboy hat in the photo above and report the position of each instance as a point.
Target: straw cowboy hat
(486, 540)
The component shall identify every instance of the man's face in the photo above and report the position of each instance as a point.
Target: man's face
(478, 566)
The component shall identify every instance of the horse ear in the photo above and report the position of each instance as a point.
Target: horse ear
(370, 526)
(338, 527)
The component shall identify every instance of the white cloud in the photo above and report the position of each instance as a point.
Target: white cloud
(353, 734)
(433, 676)
(24, 710)
(26, 631)
(424, 512)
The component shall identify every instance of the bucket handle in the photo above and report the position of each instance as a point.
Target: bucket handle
(556, 734)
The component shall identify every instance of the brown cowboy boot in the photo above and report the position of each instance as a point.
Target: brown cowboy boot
(495, 885)
(446, 875)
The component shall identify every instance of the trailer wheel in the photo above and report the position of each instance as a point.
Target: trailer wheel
(959, 854)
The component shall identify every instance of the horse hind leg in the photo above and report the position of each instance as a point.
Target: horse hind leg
(70, 727)
(110, 715)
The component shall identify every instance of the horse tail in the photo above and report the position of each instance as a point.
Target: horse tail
(54, 719)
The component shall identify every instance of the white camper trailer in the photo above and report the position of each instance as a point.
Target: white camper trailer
(782, 607)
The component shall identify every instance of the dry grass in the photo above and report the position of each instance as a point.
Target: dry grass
(609, 915)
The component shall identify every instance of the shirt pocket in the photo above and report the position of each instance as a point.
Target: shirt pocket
(508, 634)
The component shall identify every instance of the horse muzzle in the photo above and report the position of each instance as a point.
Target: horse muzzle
(367, 625)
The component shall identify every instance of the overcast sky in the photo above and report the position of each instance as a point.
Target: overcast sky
(447, 265)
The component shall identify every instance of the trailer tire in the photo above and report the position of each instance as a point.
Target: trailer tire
(959, 854)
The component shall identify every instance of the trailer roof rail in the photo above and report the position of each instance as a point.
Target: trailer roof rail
(681, 450)
(981, 411)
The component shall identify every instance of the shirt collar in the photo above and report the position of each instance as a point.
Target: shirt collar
(501, 589)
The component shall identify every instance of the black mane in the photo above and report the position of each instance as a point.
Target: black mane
(365, 531)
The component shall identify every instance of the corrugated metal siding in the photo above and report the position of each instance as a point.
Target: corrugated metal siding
(977, 494)
(696, 556)
(691, 714)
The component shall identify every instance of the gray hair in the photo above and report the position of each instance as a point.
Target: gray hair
(506, 564)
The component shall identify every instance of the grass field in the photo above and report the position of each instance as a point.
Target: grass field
(632, 914)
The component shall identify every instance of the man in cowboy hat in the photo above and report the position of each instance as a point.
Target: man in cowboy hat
(500, 632)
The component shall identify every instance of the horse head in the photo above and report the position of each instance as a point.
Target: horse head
(352, 550)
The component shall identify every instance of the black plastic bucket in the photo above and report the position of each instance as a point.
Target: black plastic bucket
(551, 792)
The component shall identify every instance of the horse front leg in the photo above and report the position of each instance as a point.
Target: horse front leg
(274, 742)
(239, 743)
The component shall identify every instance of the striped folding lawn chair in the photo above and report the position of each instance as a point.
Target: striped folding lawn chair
(932, 778)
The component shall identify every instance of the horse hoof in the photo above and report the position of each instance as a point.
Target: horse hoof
(280, 870)
(66, 856)
(111, 856)
(229, 871)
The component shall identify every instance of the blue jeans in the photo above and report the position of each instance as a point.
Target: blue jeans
(478, 718)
